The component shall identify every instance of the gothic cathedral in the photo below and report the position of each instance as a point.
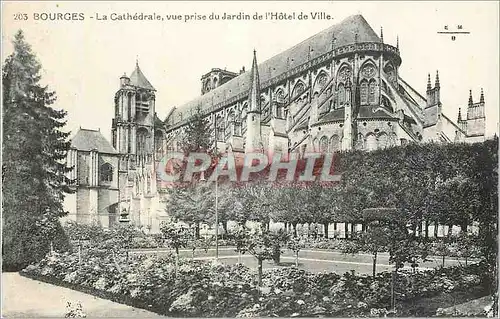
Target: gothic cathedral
(338, 90)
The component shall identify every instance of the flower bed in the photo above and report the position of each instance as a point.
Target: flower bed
(215, 290)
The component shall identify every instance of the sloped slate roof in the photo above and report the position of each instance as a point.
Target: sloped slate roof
(138, 79)
(372, 111)
(334, 115)
(88, 140)
(321, 43)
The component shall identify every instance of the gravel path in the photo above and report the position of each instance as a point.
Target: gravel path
(27, 298)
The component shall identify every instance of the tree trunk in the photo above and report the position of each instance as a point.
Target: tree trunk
(335, 230)
(426, 224)
(346, 230)
(297, 259)
(436, 226)
(294, 225)
(224, 226)
(325, 225)
(450, 230)
(353, 227)
(463, 227)
(259, 271)
(276, 255)
(197, 231)
(443, 260)
(374, 264)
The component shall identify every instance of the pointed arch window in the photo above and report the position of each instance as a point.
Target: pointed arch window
(323, 144)
(106, 173)
(363, 92)
(372, 92)
(159, 143)
(142, 141)
(360, 142)
(335, 143)
(371, 142)
(383, 141)
(230, 124)
(299, 88)
(340, 94)
(220, 129)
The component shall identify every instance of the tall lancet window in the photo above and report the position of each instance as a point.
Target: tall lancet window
(237, 127)
(323, 144)
(220, 129)
(340, 94)
(142, 140)
(159, 144)
(371, 92)
(106, 173)
(230, 124)
(363, 92)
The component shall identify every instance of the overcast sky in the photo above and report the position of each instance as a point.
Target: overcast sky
(83, 60)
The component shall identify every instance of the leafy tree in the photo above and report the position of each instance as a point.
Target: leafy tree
(241, 238)
(175, 238)
(33, 169)
(197, 137)
(278, 240)
(295, 244)
(261, 245)
(376, 239)
(192, 205)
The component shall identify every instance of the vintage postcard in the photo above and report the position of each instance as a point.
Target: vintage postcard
(250, 159)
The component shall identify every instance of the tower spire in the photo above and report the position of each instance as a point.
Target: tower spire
(437, 79)
(459, 115)
(429, 87)
(382, 34)
(397, 42)
(481, 99)
(470, 98)
(137, 61)
(254, 93)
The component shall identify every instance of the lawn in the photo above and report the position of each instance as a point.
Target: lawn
(311, 260)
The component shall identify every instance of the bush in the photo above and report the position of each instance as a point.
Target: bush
(218, 290)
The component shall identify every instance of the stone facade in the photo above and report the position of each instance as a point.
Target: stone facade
(338, 90)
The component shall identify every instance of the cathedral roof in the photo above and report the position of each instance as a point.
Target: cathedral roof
(344, 33)
(88, 140)
(137, 78)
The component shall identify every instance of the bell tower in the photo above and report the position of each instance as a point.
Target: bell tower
(132, 126)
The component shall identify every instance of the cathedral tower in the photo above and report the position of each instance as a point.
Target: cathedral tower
(253, 140)
(132, 127)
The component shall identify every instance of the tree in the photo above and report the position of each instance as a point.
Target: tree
(278, 240)
(192, 205)
(34, 170)
(260, 244)
(241, 238)
(197, 136)
(295, 244)
(175, 238)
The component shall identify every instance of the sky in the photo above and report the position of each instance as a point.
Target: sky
(83, 60)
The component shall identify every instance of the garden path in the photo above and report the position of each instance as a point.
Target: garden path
(27, 298)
